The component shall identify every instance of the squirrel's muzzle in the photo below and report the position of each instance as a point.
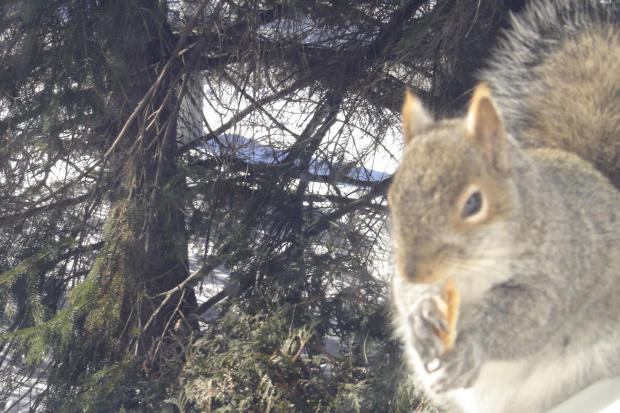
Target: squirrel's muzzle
(419, 270)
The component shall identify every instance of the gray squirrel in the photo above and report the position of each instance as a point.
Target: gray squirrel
(506, 222)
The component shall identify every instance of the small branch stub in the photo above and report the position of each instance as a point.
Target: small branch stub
(448, 303)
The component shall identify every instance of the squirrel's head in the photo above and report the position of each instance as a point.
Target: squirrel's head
(452, 192)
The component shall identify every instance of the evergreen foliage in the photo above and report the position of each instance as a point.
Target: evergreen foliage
(137, 137)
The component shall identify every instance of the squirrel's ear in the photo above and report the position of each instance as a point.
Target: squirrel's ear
(415, 118)
(485, 127)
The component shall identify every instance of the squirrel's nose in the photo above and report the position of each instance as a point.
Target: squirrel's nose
(420, 271)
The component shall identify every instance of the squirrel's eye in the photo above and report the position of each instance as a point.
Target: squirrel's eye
(473, 205)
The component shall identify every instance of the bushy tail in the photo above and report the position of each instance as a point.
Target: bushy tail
(556, 78)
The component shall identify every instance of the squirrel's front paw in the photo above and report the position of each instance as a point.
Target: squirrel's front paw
(459, 368)
(426, 322)
(448, 369)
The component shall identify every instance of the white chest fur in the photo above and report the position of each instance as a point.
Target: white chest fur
(524, 386)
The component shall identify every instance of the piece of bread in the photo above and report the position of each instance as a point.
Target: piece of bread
(448, 303)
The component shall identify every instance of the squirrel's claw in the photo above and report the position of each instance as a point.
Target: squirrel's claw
(426, 321)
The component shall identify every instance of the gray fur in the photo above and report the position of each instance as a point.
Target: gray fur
(535, 33)
(540, 275)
